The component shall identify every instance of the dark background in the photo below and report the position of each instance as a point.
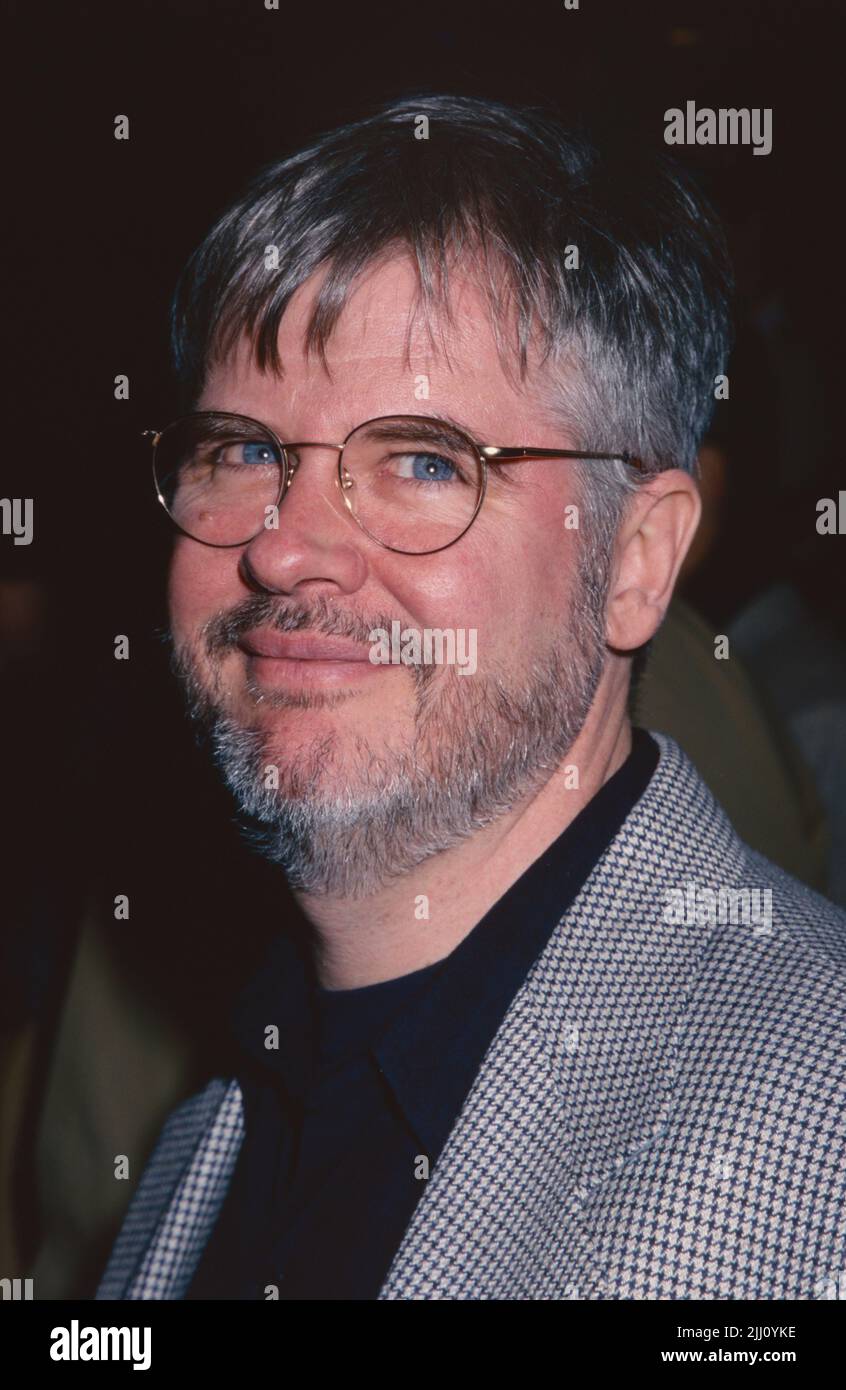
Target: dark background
(95, 233)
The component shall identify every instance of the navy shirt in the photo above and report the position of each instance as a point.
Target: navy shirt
(345, 1120)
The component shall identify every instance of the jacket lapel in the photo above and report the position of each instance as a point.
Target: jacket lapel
(579, 1076)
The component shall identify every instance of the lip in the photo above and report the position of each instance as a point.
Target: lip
(295, 646)
(307, 662)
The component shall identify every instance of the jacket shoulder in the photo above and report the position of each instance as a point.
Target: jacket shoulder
(779, 974)
(813, 924)
(764, 954)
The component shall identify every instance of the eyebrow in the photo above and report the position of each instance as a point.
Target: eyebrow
(463, 428)
(430, 428)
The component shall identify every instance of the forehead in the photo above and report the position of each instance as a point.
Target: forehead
(385, 353)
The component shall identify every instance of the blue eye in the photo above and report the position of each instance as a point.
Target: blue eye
(258, 452)
(248, 453)
(427, 468)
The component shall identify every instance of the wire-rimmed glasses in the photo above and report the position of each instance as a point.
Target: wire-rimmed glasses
(413, 483)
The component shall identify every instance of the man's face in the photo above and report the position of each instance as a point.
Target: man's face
(406, 759)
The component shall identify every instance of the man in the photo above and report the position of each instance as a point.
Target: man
(545, 1027)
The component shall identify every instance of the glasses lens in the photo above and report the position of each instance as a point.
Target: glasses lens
(413, 483)
(219, 476)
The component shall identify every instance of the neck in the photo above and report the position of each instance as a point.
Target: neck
(421, 917)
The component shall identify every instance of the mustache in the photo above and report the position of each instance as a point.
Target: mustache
(223, 631)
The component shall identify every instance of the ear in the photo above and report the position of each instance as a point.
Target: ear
(659, 525)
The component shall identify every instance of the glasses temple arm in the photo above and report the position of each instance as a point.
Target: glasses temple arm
(495, 454)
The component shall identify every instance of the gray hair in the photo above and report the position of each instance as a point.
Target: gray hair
(635, 336)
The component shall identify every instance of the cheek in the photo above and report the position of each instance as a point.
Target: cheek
(201, 582)
(536, 597)
(530, 547)
(512, 583)
(452, 589)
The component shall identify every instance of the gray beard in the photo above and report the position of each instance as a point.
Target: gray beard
(479, 747)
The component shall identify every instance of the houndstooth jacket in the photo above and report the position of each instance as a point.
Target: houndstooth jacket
(660, 1114)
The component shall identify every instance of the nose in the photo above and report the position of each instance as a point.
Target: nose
(343, 482)
(316, 542)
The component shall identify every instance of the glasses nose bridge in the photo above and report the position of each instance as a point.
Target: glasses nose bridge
(293, 464)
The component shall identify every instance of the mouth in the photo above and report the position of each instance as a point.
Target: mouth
(298, 659)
